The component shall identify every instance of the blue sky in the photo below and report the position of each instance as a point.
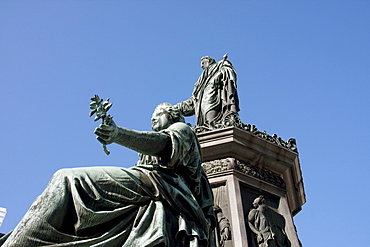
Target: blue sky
(303, 72)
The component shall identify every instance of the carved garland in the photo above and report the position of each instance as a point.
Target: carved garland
(220, 165)
(233, 119)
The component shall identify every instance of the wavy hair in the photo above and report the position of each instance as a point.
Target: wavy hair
(210, 60)
(173, 111)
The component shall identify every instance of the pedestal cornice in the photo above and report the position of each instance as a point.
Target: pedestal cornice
(252, 151)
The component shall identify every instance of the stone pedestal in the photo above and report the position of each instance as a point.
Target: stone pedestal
(240, 167)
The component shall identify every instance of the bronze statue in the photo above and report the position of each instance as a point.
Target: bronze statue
(214, 94)
(165, 200)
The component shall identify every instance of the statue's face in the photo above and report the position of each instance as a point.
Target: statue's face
(161, 119)
(204, 63)
(256, 202)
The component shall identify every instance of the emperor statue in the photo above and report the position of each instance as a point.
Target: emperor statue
(215, 94)
(165, 200)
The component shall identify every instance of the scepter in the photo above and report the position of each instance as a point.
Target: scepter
(224, 57)
(101, 108)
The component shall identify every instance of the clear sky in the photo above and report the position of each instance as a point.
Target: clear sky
(303, 71)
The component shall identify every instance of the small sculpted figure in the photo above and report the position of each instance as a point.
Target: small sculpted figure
(214, 93)
(268, 231)
(223, 227)
(165, 200)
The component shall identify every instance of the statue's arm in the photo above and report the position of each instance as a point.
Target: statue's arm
(146, 142)
(251, 222)
(186, 107)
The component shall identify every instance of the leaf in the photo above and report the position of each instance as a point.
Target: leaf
(92, 112)
(93, 107)
(108, 106)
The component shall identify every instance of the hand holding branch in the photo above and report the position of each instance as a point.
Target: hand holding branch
(107, 129)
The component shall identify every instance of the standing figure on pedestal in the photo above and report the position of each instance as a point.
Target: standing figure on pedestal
(214, 93)
(165, 200)
(262, 222)
(222, 228)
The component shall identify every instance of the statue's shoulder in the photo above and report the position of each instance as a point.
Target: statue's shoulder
(228, 66)
(252, 213)
(181, 129)
(181, 126)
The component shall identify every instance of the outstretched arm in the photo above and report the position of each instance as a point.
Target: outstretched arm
(147, 142)
(187, 107)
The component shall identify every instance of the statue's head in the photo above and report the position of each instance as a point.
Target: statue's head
(258, 201)
(164, 115)
(206, 61)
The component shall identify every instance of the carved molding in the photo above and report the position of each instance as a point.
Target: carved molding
(260, 173)
(226, 164)
(232, 119)
(216, 166)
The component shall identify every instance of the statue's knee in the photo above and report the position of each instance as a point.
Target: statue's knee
(211, 115)
(62, 174)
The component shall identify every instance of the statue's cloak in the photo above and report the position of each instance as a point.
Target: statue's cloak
(215, 90)
(166, 203)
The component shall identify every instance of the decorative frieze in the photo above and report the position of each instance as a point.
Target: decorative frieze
(260, 173)
(220, 165)
(232, 119)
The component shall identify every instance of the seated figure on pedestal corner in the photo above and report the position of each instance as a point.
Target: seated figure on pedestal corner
(165, 200)
(214, 95)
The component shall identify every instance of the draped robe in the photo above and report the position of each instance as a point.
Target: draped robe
(158, 202)
(215, 90)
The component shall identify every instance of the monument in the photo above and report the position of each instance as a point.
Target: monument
(255, 177)
(221, 183)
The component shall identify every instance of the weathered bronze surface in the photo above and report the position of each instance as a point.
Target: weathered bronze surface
(215, 95)
(101, 109)
(215, 102)
(165, 200)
